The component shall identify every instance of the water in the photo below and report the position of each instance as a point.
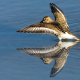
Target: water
(17, 14)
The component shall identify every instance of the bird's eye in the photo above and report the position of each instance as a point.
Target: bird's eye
(44, 18)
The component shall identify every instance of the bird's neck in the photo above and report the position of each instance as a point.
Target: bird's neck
(51, 21)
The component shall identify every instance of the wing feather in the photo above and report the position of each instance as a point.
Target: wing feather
(43, 50)
(40, 28)
(54, 28)
(59, 15)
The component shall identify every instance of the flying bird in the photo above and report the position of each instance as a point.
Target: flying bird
(59, 27)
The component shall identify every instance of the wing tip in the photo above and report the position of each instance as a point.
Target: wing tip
(52, 4)
(54, 72)
(18, 31)
(21, 31)
(53, 8)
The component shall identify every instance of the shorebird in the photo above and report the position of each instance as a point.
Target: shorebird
(58, 52)
(58, 27)
(59, 16)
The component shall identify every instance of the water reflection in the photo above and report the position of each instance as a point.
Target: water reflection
(58, 52)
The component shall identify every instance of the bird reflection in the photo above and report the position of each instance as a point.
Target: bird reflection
(58, 52)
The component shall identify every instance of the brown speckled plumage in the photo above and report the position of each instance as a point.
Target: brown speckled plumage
(58, 52)
(59, 15)
(58, 27)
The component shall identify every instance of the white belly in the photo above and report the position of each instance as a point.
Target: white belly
(66, 36)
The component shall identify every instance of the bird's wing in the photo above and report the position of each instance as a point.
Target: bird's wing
(59, 27)
(43, 28)
(41, 52)
(59, 63)
(59, 15)
(55, 9)
(61, 58)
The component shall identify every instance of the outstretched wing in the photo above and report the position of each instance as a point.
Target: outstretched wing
(35, 28)
(59, 15)
(54, 28)
(41, 52)
(55, 9)
(59, 62)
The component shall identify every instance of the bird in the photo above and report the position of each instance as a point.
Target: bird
(59, 16)
(58, 52)
(58, 27)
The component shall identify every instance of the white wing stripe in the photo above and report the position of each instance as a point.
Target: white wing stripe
(46, 30)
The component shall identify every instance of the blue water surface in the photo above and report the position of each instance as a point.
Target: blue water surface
(17, 14)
